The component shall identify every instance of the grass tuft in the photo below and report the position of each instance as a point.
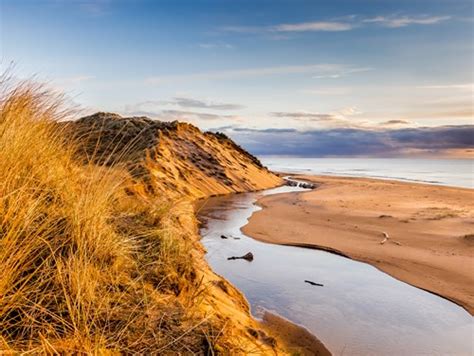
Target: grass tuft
(87, 266)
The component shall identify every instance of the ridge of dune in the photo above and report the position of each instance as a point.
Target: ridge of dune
(174, 158)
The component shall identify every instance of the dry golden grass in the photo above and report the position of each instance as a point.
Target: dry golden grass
(85, 265)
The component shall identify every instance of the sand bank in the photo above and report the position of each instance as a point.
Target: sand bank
(295, 339)
(430, 229)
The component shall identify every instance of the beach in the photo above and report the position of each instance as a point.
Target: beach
(418, 233)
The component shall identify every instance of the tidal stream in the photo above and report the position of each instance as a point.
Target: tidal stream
(359, 310)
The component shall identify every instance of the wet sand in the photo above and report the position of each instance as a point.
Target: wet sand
(296, 339)
(430, 229)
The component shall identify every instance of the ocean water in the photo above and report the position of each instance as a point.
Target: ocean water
(450, 172)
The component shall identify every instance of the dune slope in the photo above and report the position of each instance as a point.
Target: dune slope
(99, 245)
(172, 157)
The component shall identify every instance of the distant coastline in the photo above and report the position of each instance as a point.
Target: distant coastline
(457, 172)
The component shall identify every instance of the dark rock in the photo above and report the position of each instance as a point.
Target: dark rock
(248, 257)
(224, 237)
(294, 183)
(291, 183)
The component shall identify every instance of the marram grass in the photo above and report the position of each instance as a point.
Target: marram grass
(85, 265)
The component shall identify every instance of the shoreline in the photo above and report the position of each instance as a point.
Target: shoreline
(303, 176)
(389, 179)
(424, 170)
(295, 338)
(429, 226)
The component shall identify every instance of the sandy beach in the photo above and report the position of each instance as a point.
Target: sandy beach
(420, 234)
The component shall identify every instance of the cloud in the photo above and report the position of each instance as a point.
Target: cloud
(73, 80)
(305, 116)
(314, 26)
(442, 137)
(354, 142)
(194, 103)
(321, 69)
(346, 23)
(349, 111)
(215, 45)
(342, 73)
(455, 102)
(244, 29)
(350, 117)
(403, 21)
(467, 112)
(326, 91)
(70, 83)
(461, 86)
(93, 7)
(154, 106)
(170, 115)
(395, 123)
(326, 26)
(180, 115)
(158, 109)
(333, 119)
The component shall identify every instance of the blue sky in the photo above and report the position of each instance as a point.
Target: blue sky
(254, 68)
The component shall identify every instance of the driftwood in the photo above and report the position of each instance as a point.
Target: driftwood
(226, 237)
(248, 257)
(386, 238)
(314, 283)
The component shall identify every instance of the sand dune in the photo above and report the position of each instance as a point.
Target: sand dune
(175, 159)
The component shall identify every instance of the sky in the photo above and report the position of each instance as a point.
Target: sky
(288, 77)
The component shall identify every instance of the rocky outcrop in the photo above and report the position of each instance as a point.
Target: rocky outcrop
(294, 183)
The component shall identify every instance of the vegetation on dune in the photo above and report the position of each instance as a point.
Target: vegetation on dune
(224, 138)
(87, 265)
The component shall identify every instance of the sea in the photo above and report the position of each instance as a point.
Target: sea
(449, 172)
